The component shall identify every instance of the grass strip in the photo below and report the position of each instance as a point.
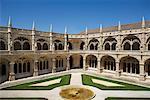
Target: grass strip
(65, 80)
(87, 80)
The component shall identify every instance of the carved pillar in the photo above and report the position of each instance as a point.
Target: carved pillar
(84, 63)
(11, 72)
(118, 72)
(68, 64)
(54, 65)
(35, 68)
(118, 46)
(142, 72)
(98, 65)
(51, 41)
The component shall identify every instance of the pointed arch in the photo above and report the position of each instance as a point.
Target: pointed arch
(2, 45)
(45, 46)
(26, 46)
(17, 45)
(107, 46)
(126, 46)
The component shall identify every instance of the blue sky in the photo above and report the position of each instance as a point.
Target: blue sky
(75, 14)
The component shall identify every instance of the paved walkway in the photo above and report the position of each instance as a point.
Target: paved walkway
(75, 80)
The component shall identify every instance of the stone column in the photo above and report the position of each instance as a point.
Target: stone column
(50, 41)
(84, 63)
(142, 72)
(9, 41)
(98, 65)
(35, 69)
(118, 72)
(118, 46)
(49, 65)
(68, 64)
(54, 65)
(143, 43)
(11, 72)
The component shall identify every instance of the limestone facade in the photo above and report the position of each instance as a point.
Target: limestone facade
(122, 51)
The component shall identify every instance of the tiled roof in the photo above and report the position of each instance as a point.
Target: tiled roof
(123, 27)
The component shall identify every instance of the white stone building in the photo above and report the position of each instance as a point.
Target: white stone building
(121, 51)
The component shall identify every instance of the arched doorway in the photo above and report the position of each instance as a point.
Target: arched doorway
(129, 65)
(91, 61)
(108, 63)
(2, 45)
(4, 70)
(147, 67)
(82, 46)
(76, 61)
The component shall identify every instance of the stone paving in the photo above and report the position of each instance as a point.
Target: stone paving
(75, 80)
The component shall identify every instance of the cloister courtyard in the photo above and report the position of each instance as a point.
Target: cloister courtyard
(48, 87)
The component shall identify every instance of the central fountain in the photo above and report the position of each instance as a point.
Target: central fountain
(76, 93)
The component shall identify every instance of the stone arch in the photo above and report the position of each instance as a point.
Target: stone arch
(131, 42)
(45, 46)
(91, 61)
(43, 65)
(2, 45)
(148, 44)
(130, 65)
(93, 44)
(107, 46)
(92, 47)
(23, 67)
(113, 45)
(136, 45)
(70, 46)
(17, 45)
(108, 62)
(60, 64)
(42, 44)
(110, 43)
(127, 46)
(4, 69)
(76, 61)
(82, 45)
(39, 46)
(21, 43)
(147, 67)
(58, 45)
(26, 46)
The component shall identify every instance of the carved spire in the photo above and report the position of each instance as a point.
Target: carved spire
(119, 26)
(9, 22)
(33, 26)
(143, 22)
(86, 30)
(51, 28)
(100, 28)
(66, 29)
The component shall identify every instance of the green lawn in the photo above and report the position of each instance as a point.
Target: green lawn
(23, 99)
(125, 98)
(65, 80)
(86, 80)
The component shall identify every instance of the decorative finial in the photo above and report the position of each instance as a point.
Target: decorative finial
(100, 28)
(66, 29)
(86, 30)
(9, 22)
(119, 26)
(33, 26)
(51, 28)
(143, 22)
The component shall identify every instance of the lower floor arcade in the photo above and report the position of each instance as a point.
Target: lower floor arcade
(27, 67)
